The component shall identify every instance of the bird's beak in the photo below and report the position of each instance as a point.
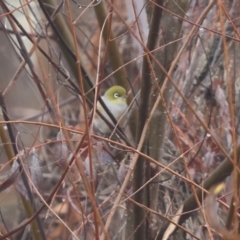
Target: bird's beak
(124, 96)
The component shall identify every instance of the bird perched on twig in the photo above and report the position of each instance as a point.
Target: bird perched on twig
(115, 100)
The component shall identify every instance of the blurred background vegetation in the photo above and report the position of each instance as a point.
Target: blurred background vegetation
(179, 62)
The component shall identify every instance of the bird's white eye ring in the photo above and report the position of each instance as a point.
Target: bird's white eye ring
(116, 95)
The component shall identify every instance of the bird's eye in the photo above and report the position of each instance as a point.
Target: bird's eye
(116, 95)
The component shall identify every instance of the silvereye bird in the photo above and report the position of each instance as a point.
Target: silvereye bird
(115, 100)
